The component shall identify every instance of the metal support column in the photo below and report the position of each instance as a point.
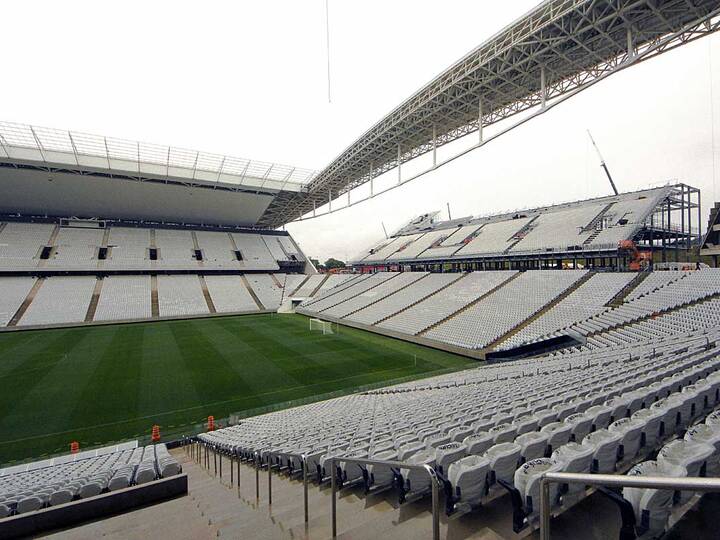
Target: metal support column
(480, 122)
(257, 477)
(399, 167)
(543, 87)
(434, 143)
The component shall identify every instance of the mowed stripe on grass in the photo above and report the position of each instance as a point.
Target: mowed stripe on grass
(108, 383)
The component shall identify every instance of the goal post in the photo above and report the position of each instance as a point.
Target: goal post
(317, 325)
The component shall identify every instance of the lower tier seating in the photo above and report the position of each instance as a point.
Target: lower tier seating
(26, 488)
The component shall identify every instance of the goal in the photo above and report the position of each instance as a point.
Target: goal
(321, 326)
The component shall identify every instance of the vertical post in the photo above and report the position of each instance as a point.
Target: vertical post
(214, 454)
(238, 476)
(232, 471)
(269, 463)
(329, 200)
(544, 509)
(434, 143)
(699, 217)
(372, 181)
(543, 90)
(682, 222)
(435, 507)
(220, 456)
(333, 489)
(305, 487)
(257, 477)
(480, 122)
(689, 227)
(630, 47)
(399, 167)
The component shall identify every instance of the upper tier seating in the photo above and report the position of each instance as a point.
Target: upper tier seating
(175, 249)
(21, 243)
(290, 247)
(595, 224)
(254, 251)
(128, 248)
(217, 249)
(76, 248)
(494, 237)
(560, 229)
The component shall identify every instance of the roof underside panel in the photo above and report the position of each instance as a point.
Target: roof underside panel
(570, 42)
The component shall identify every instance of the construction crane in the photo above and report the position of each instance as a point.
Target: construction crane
(602, 163)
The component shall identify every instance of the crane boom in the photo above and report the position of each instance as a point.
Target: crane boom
(602, 163)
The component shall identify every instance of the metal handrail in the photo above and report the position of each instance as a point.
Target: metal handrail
(611, 480)
(303, 461)
(435, 482)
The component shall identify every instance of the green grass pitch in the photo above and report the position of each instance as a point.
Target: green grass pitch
(108, 383)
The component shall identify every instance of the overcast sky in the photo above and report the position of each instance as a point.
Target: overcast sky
(249, 79)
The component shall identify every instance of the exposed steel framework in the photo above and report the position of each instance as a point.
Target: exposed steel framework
(553, 52)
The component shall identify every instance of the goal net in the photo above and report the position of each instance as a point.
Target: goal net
(316, 325)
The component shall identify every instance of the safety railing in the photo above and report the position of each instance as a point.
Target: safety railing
(609, 480)
(435, 482)
(211, 456)
(303, 467)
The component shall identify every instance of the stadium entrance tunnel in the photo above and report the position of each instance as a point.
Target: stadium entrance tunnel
(535, 349)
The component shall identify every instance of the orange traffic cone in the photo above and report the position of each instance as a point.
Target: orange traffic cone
(74, 447)
(155, 433)
(211, 423)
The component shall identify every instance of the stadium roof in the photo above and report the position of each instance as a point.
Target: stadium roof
(554, 51)
(551, 53)
(96, 176)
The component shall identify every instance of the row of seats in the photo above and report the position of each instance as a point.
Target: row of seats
(68, 479)
(587, 300)
(592, 224)
(67, 299)
(72, 248)
(609, 406)
(696, 454)
(692, 288)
